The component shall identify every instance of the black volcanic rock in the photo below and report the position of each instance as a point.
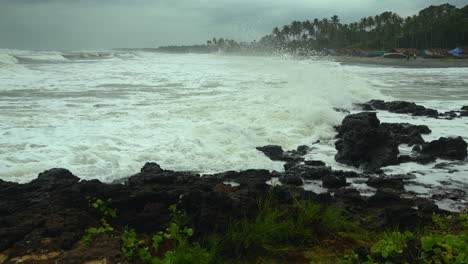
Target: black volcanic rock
(364, 107)
(51, 213)
(446, 148)
(291, 180)
(151, 167)
(405, 133)
(277, 153)
(309, 172)
(333, 182)
(364, 142)
(403, 107)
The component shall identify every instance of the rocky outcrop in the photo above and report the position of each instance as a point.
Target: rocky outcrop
(363, 142)
(404, 133)
(446, 148)
(402, 107)
(277, 153)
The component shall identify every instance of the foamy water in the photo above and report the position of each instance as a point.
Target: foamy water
(105, 116)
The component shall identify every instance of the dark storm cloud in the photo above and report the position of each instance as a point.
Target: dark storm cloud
(75, 24)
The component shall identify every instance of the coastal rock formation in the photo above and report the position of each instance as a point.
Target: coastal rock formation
(333, 182)
(404, 133)
(446, 148)
(364, 142)
(403, 107)
(277, 153)
(47, 217)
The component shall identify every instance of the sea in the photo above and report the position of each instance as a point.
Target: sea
(104, 114)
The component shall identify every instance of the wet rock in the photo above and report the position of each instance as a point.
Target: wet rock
(452, 194)
(384, 198)
(349, 198)
(273, 152)
(315, 163)
(404, 159)
(416, 148)
(291, 180)
(309, 172)
(333, 182)
(341, 110)
(346, 174)
(276, 153)
(403, 107)
(152, 173)
(377, 104)
(363, 142)
(449, 115)
(423, 159)
(151, 167)
(464, 108)
(52, 179)
(446, 148)
(302, 150)
(464, 113)
(364, 107)
(395, 183)
(405, 133)
(226, 188)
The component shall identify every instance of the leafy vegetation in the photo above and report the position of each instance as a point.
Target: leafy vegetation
(443, 242)
(100, 205)
(442, 26)
(278, 231)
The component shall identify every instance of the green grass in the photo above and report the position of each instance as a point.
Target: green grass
(290, 233)
(276, 230)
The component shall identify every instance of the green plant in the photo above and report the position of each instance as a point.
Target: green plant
(269, 232)
(392, 244)
(445, 249)
(183, 251)
(447, 242)
(102, 206)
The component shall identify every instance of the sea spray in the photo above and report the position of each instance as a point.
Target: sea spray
(104, 118)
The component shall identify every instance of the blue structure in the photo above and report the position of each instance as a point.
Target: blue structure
(457, 50)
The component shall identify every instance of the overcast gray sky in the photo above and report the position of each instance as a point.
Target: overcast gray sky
(91, 24)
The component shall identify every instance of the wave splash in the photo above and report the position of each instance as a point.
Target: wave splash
(203, 113)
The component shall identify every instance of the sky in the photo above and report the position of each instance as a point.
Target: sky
(101, 24)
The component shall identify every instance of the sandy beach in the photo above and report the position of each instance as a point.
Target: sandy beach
(402, 63)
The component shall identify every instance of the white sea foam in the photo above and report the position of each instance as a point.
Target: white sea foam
(103, 114)
(104, 119)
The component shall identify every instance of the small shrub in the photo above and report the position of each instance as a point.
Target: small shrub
(447, 242)
(102, 206)
(269, 232)
(183, 252)
(392, 244)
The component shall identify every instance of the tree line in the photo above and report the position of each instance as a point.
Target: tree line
(442, 26)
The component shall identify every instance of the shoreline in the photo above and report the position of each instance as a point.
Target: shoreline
(60, 218)
(401, 63)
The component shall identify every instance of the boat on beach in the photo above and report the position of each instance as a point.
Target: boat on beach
(395, 55)
(460, 55)
(435, 53)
